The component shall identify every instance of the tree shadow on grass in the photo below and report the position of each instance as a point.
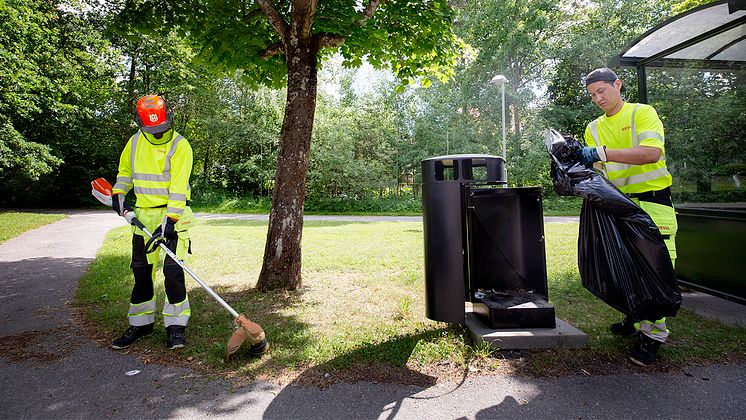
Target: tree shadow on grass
(291, 344)
(383, 380)
(384, 362)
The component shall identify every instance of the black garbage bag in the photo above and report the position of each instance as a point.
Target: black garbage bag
(621, 254)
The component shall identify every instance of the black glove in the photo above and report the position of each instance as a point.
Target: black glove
(166, 231)
(117, 203)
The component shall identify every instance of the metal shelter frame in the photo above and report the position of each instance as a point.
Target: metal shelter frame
(711, 36)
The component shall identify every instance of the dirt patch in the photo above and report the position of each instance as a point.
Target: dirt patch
(322, 376)
(49, 346)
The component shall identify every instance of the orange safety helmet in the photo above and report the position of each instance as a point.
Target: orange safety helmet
(153, 115)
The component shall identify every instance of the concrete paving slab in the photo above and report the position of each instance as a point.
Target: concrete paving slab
(563, 336)
(713, 307)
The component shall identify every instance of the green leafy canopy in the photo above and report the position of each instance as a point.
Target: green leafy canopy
(412, 38)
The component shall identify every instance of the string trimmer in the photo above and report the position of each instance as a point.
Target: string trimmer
(101, 189)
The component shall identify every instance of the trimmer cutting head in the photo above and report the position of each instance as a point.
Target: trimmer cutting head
(247, 330)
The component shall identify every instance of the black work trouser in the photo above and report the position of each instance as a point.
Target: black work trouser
(173, 273)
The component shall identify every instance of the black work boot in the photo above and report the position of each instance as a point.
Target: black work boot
(625, 328)
(645, 352)
(132, 334)
(176, 339)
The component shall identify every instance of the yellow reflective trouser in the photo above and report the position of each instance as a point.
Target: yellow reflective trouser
(153, 217)
(665, 218)
(142, 302)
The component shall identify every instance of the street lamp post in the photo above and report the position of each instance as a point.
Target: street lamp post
(502, 80)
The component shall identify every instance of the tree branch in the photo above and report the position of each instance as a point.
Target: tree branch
(275, 19)
(272, 50)
(325, 40)
(370, 10)
(251, 15)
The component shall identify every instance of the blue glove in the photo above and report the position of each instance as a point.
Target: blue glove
(590, 155)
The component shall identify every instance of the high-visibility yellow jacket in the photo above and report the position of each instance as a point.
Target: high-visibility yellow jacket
(634, 125)
(159, 171)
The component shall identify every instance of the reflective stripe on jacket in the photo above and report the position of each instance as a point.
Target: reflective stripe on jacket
(644, 129)
(159, 173)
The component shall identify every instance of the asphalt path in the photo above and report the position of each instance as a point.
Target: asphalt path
(352, 219)
(49, 369)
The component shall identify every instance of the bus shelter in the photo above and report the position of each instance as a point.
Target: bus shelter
(710, 40)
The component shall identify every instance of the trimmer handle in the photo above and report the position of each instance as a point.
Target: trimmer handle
(129, 216)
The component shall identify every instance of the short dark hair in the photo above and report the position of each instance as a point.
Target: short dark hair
(604, 74)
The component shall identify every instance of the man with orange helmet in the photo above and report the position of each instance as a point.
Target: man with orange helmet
(157, 164)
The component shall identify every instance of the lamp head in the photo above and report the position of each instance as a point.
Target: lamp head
(499, 80)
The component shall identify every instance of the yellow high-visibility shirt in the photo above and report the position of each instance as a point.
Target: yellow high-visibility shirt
(634, 125)
(159, 172)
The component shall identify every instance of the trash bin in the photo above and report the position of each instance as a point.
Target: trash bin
(443, 180)
(484, 244)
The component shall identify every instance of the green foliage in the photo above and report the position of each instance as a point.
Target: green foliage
(598, 31)
(217, 201)
(22, 160)
(57, 76)
(730, 169)
(511, 38)
(411, 38)
(561, 206)
(354, 146)
(683, 6)
(234, 132)
(695, 106)
(68, 80)
(220, 202)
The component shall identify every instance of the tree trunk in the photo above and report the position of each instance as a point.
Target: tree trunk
(704, 185)
(206, 166)
(516, 113)
(281, 268)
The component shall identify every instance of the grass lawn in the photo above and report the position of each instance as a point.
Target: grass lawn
(13, 224)
(360, 312)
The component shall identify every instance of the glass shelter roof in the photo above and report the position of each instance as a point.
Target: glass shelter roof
(712, 36)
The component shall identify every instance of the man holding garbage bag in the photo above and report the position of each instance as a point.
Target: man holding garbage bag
(627, 145)
(157, 164)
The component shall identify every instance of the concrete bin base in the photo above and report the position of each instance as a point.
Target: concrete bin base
(563, 336)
